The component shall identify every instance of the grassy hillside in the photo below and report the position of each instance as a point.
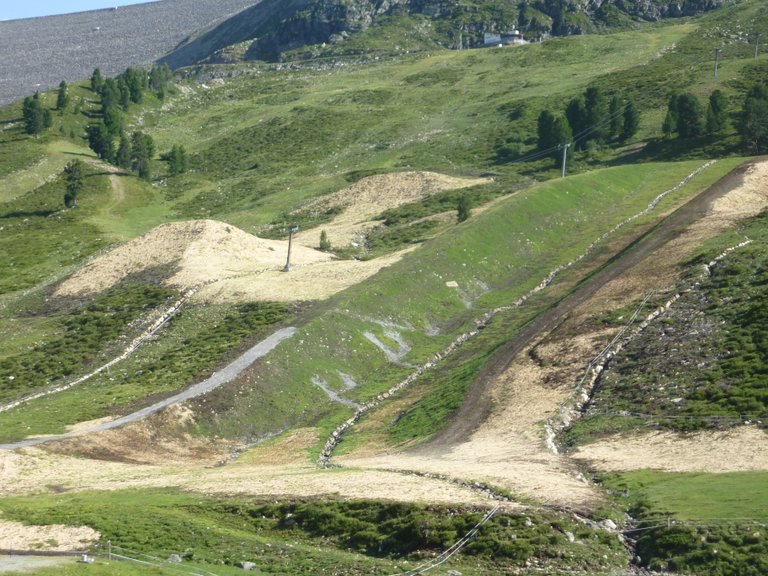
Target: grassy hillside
(264, 141)
(291, 538)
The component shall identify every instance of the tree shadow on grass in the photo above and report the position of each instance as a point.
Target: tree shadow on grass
(28, 214)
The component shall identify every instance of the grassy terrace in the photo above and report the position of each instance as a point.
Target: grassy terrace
(697, 523)
(316, 537)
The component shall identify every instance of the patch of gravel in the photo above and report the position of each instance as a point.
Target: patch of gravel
(38, 53)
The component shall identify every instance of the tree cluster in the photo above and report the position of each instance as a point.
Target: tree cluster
(687, 118)
(589, 118)
(36, 117)
(177, 160)
(117, 95)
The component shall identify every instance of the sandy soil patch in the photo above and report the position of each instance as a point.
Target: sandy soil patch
(199, 251)
(304, 282)
(370, 197)
(741, 449)
(37, 471)
(662, 272)
(53, 538)
(509, 449)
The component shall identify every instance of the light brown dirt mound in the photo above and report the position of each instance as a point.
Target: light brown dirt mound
(742, 449)
(200, 251)
(53, 538)
(373, 195)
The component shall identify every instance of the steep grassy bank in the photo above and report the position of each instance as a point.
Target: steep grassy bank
(494, 258)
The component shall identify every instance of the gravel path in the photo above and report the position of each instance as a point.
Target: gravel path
(227, 374)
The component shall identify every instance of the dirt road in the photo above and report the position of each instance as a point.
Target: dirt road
(477, 405)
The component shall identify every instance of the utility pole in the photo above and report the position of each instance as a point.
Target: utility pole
(717, 60)
(757, 45)
(565, 156)
(291, 230)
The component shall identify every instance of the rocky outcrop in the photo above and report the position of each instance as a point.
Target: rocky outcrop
(276, 26)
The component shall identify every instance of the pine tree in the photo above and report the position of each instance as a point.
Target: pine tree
(97, 81)
(123, 156)
(630, 121)
(717, 115)
(753, 124)
(100, 141)
(617, 117)
(142, 151)
(576, 114)
(561, 133)
(62, 99)
(35, 119)
(690, 121)
(463, 208)
(669, 126)
(596, 108)
(545, 130)
(73, 175)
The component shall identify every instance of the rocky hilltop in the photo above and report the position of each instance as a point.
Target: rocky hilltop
(274, 27)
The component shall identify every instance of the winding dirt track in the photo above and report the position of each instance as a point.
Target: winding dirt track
(477, 405)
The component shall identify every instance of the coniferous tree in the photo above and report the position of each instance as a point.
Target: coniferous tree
(47, 118)
(100, 141)
(669, 126)
(159, 78)
(177, 160)
(463, 208)
(97, 81)
(113, 120)
(73, 175)
(596, 117)
(690, 116)
(125, 93)
(617, 117)
(561, 133)
(576, 114)
(33, 113)
(545, 130)
(62, 99)
(753, 125)
(135, 82)
(123, 156)
(717, 115)
(142, 151)
(630, 121)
